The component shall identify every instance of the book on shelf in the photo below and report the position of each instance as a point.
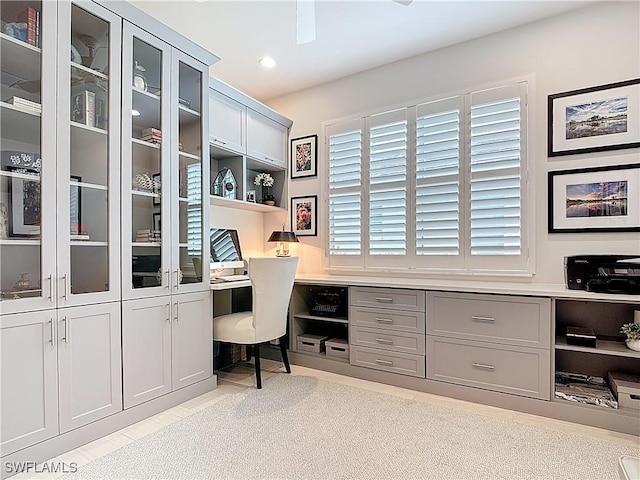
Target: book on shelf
(83, 108)
(79, 236)
(26, 104)
(31, 17)
(152, 135)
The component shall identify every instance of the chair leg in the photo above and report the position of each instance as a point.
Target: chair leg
(256, 353)
(283, 352)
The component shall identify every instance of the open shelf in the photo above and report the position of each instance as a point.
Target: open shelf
(604, 347)
(323, 355)
(322, 319)
(232, 203)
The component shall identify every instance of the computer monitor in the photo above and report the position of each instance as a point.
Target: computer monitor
(225, 249)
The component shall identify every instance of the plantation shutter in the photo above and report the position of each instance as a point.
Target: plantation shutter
(388, 140)
(497, 139)
(437, 173)
(345, 192)
(194, 209)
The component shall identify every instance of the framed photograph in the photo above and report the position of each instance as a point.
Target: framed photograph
(25, 213)
(304, 156)
(157, 225)
(75, 206)
(602, 199)
(156, 189)
(304, 215)
(251, 196)
(606, 117)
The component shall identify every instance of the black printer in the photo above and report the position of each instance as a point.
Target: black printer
(603, 273)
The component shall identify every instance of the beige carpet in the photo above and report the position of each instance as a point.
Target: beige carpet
(299, 427)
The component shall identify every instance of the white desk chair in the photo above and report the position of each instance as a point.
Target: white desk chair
(272, 283)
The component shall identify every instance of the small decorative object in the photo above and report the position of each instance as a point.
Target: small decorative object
(142, 181)
(23, 283)
(139, 78)
(632, 331)
(225, 184)
(601, 199)
(594, 119)
(304, 156)
(265, 181)
(303, 216)
(4, 221)
(83, 108)
(251, 196)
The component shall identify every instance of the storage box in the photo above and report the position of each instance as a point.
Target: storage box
(626, 388)
(311, 343)
(581, 336)
(337, 347)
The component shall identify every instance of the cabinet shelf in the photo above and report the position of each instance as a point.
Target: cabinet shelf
(241, 204)
(144, 143)
(146, 244)
(92, 186)
(322, 319)
(143, 193)
(189, 155)
(89, 70)
(605, 347)
(20, 58)
(88, 128)
(623, 411)
(321, 355)
(186, 113)
(19, 242)
(19, 124)
(26, 111)
(88, 243)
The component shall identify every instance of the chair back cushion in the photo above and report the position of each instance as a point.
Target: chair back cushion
(272, 281)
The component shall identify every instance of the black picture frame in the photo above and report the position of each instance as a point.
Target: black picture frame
(25, 214)
(75, 206)
(594, 119)
(157, 197)
(157, 222)
(304, 216)
(600, 199)
(304, 157)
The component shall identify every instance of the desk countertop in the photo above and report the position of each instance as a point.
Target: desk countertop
(229, 285)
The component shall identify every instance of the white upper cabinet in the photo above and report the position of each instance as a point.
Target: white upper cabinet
(266, 139)
(228, 120)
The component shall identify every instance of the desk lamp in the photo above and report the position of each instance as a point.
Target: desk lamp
(283, 238)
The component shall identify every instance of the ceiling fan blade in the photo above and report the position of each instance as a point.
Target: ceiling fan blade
(403, 2)
(305, 21)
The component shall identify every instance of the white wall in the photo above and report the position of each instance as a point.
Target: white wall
(595, 45)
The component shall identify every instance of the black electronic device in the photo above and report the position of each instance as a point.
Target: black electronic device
(581, 336)
(603, 273)
(328, 301)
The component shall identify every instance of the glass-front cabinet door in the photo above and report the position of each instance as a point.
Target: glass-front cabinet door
(190, 255)
(27, 156)
(146, 152)
(88, 154)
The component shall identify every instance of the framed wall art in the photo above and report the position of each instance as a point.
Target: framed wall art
(75, 206)
(304, 216)
(25, 212)
(596, 119)
(601, 199)
(304, 157)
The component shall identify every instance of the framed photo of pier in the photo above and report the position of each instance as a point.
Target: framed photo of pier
(595, 119)
(601, 199)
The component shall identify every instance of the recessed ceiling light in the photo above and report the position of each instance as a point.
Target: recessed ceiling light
(267, 62)
(135, 113)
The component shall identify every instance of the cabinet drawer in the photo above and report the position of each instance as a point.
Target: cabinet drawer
(412, 322)
(387, 340)
(490, 318)
(395, 298)
(402, 363)
(518, 370)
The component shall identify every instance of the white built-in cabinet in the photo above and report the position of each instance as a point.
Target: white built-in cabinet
(246, 138)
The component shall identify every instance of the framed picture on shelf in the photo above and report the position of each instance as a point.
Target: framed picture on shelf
(157, 222)
(155, 178)
(595, 119)
(304, 215)
(25, 214)
(75, 206)
(601, 199)
(251, 196)
(304, 156)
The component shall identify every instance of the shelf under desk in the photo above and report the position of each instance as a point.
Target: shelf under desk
(229, 285)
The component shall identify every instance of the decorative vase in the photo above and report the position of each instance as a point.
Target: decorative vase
(271, 203)
(23, 283)
(633, 344)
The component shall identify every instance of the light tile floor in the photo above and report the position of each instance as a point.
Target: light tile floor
(241, 377)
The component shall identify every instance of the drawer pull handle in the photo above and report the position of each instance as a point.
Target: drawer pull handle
(384, 341)
(383, 362)
(384, 320)
(484, 367)
(384, 299)
(483, 319)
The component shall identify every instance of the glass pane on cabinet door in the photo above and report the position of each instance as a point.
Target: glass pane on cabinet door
(20, 154)
(190, 208)
(146, 166)
(89, 152)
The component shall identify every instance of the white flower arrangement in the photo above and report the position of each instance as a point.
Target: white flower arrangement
(264, 179)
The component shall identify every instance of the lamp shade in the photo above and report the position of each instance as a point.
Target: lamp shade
(282, 236)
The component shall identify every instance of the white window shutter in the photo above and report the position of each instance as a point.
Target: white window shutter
(388, 138)
(345, 192)
(194, 209)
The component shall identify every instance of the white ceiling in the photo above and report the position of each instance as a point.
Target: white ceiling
(352, 35)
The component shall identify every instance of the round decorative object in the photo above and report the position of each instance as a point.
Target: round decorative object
(139, 79)
(633, 344)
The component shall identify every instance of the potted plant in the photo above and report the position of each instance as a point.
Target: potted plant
(632, 331)
(265, 181)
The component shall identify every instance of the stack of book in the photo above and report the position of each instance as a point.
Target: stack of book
(152, 135)
(26, 104)
(31, 17)
(144, 235)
